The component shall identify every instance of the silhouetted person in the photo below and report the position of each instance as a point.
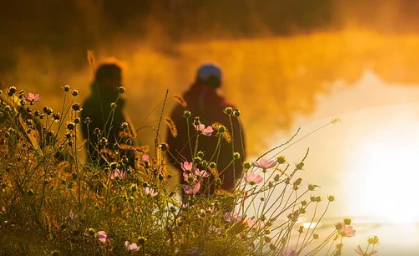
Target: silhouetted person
(205, 101)
(105, 126)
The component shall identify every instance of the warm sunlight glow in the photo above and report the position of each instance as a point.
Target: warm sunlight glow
(388, 175)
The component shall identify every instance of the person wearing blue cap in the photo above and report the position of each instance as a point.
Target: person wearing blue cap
(207, 107)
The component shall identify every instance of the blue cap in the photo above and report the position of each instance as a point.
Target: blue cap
(207, 70)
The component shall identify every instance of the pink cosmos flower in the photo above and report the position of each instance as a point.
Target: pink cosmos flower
(192, 190)
(205, 131)
(32, 98)
(102, 235)
(187, 166)
(364, 253)
(131, 246)
(252, 178)
(201, 173)
(146, 158)
(265, 164)
(347, 231)
(289, 252)
(117, 174)
(233, 217)
(150, 191)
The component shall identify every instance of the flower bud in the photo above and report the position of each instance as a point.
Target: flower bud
(246, 165)
(221, 129)
(373, 240)
(187, 114)
(141, 240)
(212, 165)
(299, 166)
(76, 107)
(113, 105)
(121, 89)
(71, 126)
(75, 93)
(281, 159)
(228, 111)
(311, 187)
(66, 88)
(347, 221)
(236, 113)
(134, 187)
(331, 198)
(236, 155)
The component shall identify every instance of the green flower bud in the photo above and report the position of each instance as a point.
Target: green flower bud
(142, 240)
(299, 166)
(373, 240)
(200, 154)
(228, 111)
(71, 126)
(347, 221)
(236, 155)
(187, 114)
(236, 113)
(75, 93)
(113, 105)
(246, 165)
(91, 231)
(281, 159)
(134, 187)
(331, 198)
(76, 107)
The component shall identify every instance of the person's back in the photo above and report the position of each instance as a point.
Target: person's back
(102, 113)
(204, 101)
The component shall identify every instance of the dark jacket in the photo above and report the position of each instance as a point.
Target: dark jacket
(208, 104)
(98, 109)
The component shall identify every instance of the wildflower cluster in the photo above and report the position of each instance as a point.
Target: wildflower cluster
(52, 202)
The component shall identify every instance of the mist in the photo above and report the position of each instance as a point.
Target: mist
(277, 56)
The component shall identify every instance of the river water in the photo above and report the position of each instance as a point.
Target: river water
(368, 161)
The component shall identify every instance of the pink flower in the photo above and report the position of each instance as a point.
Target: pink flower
(347, 231)
(205, 131)
(192, 190)
(201, 173)
(102, 235)
(233, 217)
(187, 166)
(131, 246)
(32, 98)
(364, 253)
(150, 191)
(288, 252)
(265, 164)
(146, 158)
(252, 178)
(117, 174)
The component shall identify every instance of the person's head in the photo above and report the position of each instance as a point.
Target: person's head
(109, 75)
(209, 74)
